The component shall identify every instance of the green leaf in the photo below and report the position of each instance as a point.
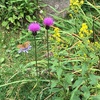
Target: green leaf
(18, 24)
(14, 17)
(11, 19)
(53, 83)
(21, 15)
(4, 23)
(88, 3)
(28, 18)
(59, 72)
(30, 64)
(56, 90)
(84, 69)
(78, 82)
(58, 98)
(69, 78)
(76, 97)
(85, 91)
(2, 60)
(93, 79)
(53, 9)
(17, 55)
(26, 1)
(8, 26)
(2, 6)
(97, 97)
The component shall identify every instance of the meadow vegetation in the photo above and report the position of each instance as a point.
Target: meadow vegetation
(65, 65)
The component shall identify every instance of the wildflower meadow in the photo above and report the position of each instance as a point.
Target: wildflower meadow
(49, 57)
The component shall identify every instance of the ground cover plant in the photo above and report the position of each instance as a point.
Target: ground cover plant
(49, 57)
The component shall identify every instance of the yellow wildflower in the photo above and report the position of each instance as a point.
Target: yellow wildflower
(81, 2)
(91, 31)
(97, 45)
(84, 27)
(81, 34)
(85, 55)
(88, 41)
(58, 39)
(79, 44)
(56, 30)
(75, 4)
(71, 15)
(56, 34)
(84, 31)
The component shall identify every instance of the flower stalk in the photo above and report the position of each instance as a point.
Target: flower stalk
(35, 50)
(93, 31)
(48, 22)
(48, 48)
(34, 27)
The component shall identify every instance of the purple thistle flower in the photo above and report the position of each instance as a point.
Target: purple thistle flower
(34, 27)
(48, 21)
(25, 49)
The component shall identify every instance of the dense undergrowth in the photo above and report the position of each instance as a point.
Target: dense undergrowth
(74, 47)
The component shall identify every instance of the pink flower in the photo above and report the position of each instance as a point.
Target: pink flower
(34, 27)
(48, 21)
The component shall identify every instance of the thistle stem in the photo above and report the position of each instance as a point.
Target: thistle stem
(48, 48)
(48, 57)
(35, 52)
(93, 30)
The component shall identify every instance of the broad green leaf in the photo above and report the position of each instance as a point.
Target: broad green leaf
(11, 19)
(2, 60)
(97, 97)
(2, 6)
(78, 82)
(53, 83)
(4, 23)
(93, 79)
(26, 1)
(14, 17)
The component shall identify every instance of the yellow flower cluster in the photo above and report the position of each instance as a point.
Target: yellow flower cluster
(76, 4)
(84, 32)
(97, 45)
(56, 35)
(58, 43)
